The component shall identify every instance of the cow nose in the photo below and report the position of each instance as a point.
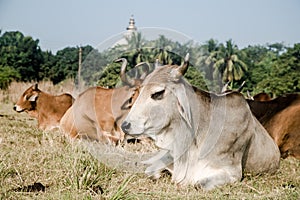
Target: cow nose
(125, 127)
(15, 107)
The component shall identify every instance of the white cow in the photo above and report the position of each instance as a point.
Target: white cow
(205, 139)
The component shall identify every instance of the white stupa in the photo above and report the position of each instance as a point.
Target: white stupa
(130, 30)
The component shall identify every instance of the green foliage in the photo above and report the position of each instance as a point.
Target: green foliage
(272, 68)
(7, 75)
(228, 66)
(284, 73)
(22, 54)
(93, 65)
(207, 60)
(135, 53)
(222, 63)
(88, 174)
(110, 75)
(66, 62)
(196, 78)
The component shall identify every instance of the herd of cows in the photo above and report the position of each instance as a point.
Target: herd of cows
(205, 139)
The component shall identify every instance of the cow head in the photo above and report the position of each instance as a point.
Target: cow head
(124, 97)
(162, 99)
(27, 101)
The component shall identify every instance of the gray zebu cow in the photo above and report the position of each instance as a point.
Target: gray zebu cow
(205, 139)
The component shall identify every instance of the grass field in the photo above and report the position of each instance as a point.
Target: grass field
(46, 165)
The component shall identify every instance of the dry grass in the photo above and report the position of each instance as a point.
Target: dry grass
(46, 165)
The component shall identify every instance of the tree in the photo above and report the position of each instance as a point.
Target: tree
(47, 65)
(93, 65)
(21, 53)
(210, 51)
(162, 46)
(7, 75)
(66, 63)
(229, 67)
(259, 60)
(284, 73)
(135, 48)
(278, 48)
(110, 75)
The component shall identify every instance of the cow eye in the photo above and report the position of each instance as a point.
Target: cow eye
(130, 100)
(158, 95)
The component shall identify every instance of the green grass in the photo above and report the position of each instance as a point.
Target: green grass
(66, 170)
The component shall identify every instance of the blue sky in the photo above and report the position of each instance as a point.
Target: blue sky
(61, 23)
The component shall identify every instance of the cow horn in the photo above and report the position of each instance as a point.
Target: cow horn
(249, 95)
(183, 68)
(225, 87)
(145, 69)
(123, 71)
(241, 87)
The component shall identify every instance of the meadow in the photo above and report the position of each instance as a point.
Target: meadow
(36, 164)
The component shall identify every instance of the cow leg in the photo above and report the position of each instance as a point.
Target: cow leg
(161, 161)
(263, 154)
(219, 177)
(107, 137)
(67, 124)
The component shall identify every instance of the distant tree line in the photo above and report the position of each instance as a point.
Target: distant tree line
(272, 68)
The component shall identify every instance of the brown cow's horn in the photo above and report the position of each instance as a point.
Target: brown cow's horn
(145, 69)
(123, 72)
(182, 69)
(249, 95)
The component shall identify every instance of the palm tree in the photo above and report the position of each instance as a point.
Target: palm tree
(209, 57)
(162, 47)
(134, 46)
(228, 67)
(209, 54)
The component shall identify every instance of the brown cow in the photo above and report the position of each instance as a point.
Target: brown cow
(48, 109)
(261, 97)
(98, 112)
(281, 118)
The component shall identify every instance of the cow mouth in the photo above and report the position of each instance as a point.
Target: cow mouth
(17, 109)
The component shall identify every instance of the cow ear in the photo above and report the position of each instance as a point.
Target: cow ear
(33, 97)
(183, 104)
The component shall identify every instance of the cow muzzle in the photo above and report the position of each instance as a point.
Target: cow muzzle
(126, 127)
(18, 108)
(132, 129)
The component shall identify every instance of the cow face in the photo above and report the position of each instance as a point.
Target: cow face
(148, 115)
(124, 97)
(122, 101)
(27, 101)
(161, 103)
(130, 98)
